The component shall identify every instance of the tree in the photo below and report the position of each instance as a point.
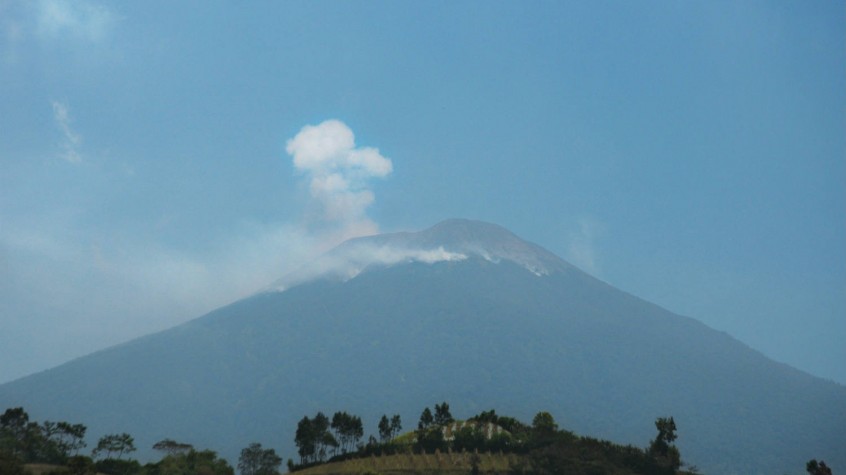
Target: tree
(442, 414)
(396, 425)
(817, 468)
(69, 438)
(388, 429)
(172, 447)
(255, 460)
(322, 437)
(114, 443)
(13, 430)
(305, 440)
(348, 428)
(356, 430)
(426, 419)
(385, 431)
(181, 461)
(469, 438)
(544, 424)
(313, 437)
(662, 448)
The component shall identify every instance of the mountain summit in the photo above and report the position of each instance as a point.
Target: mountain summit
(464, 312)
(450, 240)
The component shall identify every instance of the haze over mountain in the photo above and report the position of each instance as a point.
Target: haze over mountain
(464, 312)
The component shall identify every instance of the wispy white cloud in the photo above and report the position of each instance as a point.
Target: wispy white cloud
(77, 19)
(339, 174)
(346, 262)
(581, 250)
(78, 24)
(71, 140)
(11, 31)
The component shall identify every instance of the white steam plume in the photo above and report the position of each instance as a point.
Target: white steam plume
(346, 262)
(72, 140)
(338, 174)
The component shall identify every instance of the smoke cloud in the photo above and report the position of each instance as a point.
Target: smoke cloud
(71, 140)
(347, 261)
(339, 175)
(582, 248)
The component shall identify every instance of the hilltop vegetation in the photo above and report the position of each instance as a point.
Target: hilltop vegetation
(484, 443)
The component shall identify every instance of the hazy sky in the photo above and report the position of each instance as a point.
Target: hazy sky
(691, 153)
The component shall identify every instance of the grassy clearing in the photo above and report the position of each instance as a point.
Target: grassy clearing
(404, 464)
(42, 468)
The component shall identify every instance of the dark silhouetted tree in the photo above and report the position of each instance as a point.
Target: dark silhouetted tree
(305, 439)
(13, 431)
(70, 437)
(426, 419)
(349, 430)
(544, 425)
(172, 447)
(385, 432)
(313, 438)
(180, 461)
(396, 425)
(817, 468)
(442, 414)
(255, 460)
(114, 444)
(388, 429)
(323, 438)
(662, 448)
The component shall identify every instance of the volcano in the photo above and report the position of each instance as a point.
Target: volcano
(464, 312)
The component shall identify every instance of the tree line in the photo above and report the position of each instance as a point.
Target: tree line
(542, 446)
(23, 441)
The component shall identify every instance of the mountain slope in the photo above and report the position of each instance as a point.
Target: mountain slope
(463, 312)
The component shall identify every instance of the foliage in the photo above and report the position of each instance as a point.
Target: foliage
(817, 468)
(426, 419)
(49, 442)
(70, 437)
(172, 447)
(112, 466)
(313, 438)
(396, 425)
(442, 414)
(388, 429)
(255, 460)
(10, 464)
(114, 444)
(431, 439)
(662, 448)
(544, 424)
(190, 462)
(348, 430)
(13, 429)
(541, 448)
(469, 438)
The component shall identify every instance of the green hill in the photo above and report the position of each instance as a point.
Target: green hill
(400, 464)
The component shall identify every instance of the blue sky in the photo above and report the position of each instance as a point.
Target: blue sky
(691, 153)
